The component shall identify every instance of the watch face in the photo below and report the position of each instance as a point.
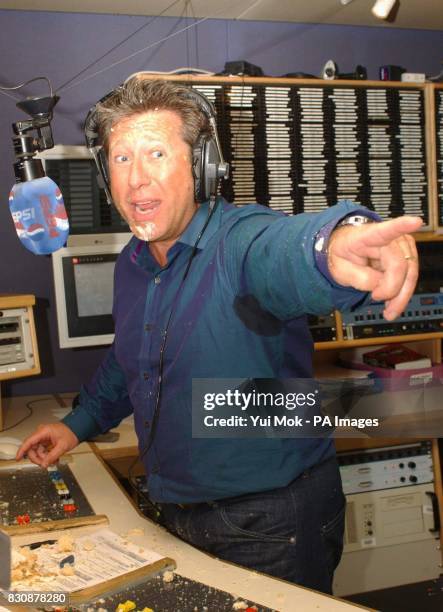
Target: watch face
(355, 220)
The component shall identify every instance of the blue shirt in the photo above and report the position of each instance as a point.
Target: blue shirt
(239, 314)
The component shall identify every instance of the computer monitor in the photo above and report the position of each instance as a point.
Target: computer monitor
(83, 281)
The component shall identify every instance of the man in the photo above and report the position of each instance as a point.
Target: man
(221, 292)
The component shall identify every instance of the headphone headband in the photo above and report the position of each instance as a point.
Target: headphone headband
(208, 165)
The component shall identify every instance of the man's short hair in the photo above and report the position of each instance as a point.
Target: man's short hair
(138, 95)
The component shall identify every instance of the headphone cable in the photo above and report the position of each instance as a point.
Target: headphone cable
(156, 412)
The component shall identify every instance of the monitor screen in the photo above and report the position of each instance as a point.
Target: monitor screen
(93, 283)
(83, 281)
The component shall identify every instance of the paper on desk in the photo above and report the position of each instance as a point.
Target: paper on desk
(98, 557)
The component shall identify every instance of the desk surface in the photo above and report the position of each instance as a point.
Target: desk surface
(24, 414)
(106, 497)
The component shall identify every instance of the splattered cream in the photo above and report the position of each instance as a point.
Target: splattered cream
(143, 231)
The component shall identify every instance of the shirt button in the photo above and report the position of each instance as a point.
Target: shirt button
(148, 327)
(157, 280)
(145, 375)
(147, 424)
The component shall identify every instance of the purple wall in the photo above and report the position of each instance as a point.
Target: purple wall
(59, 45)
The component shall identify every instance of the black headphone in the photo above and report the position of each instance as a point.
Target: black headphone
(208, 165)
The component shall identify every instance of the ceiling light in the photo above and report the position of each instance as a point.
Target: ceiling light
(383, 8)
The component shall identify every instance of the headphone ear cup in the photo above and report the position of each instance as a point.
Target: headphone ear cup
(92, 142)
(206, 160)
(198, 170)
(103, 161)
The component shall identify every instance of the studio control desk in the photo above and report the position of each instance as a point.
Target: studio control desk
(103, 492)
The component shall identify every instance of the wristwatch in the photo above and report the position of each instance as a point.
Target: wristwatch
(355, 220)
(321, 240)
(322, 237)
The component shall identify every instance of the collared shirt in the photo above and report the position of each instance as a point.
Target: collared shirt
(240, 313)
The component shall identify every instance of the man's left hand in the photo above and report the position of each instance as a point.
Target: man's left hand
(377, 257)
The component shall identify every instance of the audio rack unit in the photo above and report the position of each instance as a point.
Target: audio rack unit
(18, 341)
(386, 468)
(322, 327)
(18, 348)
(423, 314)
(392, 518)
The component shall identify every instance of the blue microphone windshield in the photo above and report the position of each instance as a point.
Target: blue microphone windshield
(39, 215)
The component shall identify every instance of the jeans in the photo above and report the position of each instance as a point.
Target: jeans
(294, 532)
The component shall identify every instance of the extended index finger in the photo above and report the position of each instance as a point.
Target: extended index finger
(381, 234)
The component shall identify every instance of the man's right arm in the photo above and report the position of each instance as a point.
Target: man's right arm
(276, 258)
(103, 403)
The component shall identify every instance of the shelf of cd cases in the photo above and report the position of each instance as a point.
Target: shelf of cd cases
(302, 145)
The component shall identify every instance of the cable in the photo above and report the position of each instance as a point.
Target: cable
(227, 41)
(165, 333)
(68, 84)
(188, 57)
(253, 5)
(196, 36)
(30, 412)
(183, 70)
(436, 77)
(156, 412)
(9, 95)
(125, 59)
(158, 42)
(3, 89)
(145, 25)
(30, 81)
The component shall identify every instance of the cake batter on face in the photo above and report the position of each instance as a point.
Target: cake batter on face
(151, 178)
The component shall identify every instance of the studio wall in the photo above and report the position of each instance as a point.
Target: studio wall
(61, 45)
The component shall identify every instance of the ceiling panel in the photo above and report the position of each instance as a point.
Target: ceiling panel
(421, 14)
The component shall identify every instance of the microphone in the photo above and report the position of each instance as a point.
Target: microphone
(35, 201)
(39, 215)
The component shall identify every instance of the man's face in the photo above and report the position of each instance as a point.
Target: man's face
(151, 177)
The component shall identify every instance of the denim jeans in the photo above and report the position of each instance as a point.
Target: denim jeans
(294, 532)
